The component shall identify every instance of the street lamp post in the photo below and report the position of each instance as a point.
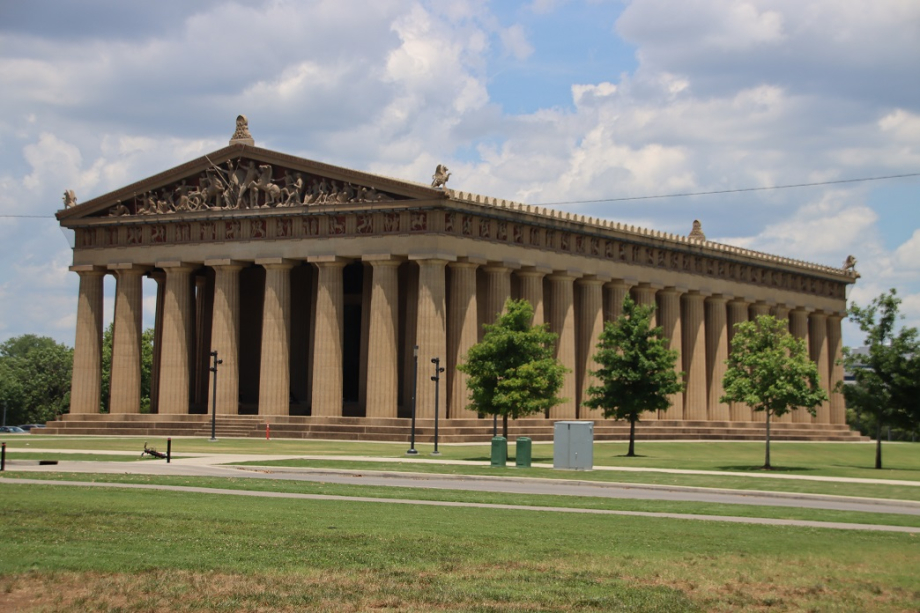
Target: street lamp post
(412, 450)
(437, 384)
(213, 369)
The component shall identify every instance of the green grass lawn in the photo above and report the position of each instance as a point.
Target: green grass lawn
(437, 494)
(902, 460)
(71, 549)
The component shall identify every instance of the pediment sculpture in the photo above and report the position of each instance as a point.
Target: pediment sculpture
(246, 184)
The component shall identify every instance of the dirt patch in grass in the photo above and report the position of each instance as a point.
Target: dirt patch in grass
(516, 587)
(464, 590)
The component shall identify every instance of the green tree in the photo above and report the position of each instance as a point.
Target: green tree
(887, 377)
(35, 373)
(769, 370)
(146, 367)
(512, 371)
(636, 371)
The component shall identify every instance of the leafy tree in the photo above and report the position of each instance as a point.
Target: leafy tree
(887, 377)
(769, 370)
(512, 371)
(636, 368)
(35, 374)
(146, 367)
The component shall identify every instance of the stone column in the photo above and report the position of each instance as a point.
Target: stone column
(86, 382)
(835, 375)
(125, 388)
(382, 373)
(275, 369)
(562, 322)
(532, 291)
(644, 294)
(817, 343)
(367, 290)
(781, 312)
(694, 356)
(670, 321)
(461, 333)
(204, 305)
(177, 322)
(431, 332)
(160, 278)
(327, 341)
(737, 314)
(758, 309)
(798, 326)
(716, 354)
(409, 317)
(590, 324)
(614, 294)
(225, 334)
(498, 290)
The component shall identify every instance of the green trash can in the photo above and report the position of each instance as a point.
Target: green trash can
(499, 451)
(522, 452)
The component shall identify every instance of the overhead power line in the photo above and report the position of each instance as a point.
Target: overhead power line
(628, 198)
(734, 191)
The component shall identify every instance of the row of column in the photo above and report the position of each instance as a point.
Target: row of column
(442, 321)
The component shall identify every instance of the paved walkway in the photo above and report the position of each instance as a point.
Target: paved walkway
(217, 465)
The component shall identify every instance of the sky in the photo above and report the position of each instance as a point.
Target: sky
(543, 102)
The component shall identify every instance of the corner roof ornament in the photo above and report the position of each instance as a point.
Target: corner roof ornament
(242, 136)
(696, 234)
(440, 177)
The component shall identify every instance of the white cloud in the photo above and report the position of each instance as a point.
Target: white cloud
(515, 41)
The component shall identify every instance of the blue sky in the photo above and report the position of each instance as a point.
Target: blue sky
(542, 101)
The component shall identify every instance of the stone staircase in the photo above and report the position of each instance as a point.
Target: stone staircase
(450, 431)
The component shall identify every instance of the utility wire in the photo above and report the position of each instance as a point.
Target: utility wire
(732, 191)
(628, 198)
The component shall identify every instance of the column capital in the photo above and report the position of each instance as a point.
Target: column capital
(374, 258)
(590, 280)
(226, 263)
(563, 275)
(327, 259)
(618, 284)
(673, 291)
(534, 271)
(463, 264)
(431, 257)
(128, 267)
(88, 269)
(391, 263)
(276, 263)
(496, 267)
(717, 299)
(177, 266)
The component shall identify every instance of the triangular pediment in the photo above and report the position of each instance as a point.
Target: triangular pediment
(246, 178)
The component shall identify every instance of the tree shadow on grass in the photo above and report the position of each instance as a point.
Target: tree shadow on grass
(754, 469)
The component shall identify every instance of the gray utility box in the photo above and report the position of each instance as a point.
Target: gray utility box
(573, 445)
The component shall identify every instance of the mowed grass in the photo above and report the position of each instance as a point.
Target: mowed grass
(256, 484)
(902, 460)
(73, 549)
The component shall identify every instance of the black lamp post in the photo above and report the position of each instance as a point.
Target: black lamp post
(412, 450)
(213, 369)
(437, 381)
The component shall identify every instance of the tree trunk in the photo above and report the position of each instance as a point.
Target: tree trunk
(505, 426)
(878, 442)
(632, 438)
(766, 463)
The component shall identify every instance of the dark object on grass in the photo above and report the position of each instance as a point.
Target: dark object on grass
(153, 452)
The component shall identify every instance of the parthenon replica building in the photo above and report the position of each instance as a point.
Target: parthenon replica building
(314, 283)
